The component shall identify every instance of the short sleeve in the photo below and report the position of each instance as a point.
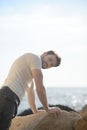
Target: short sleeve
(35, 62)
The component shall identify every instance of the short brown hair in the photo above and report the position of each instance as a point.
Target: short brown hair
(51, 52)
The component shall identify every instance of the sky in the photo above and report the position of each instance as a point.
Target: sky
(41, 25)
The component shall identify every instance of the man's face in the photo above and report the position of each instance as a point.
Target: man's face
(49, 61)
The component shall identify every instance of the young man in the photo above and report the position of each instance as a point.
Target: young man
(24, 71)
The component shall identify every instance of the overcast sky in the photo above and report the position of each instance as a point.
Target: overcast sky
(41, 25)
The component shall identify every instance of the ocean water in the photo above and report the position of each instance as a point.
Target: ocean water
(74, 97)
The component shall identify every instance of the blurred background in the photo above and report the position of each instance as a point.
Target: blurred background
(41, 25)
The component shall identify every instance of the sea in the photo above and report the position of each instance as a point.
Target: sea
(74, 97)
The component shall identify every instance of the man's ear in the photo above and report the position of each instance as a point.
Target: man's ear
(44, 54)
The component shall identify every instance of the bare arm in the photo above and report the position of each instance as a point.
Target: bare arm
(40, 89)
(41, 92)
(31, 97)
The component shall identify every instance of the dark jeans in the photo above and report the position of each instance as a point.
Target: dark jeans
(9, 102)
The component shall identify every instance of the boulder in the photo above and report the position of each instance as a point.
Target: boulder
(46, 121)
(81, 124)
(83, 111)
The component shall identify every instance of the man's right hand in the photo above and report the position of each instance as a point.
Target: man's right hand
(55, 110)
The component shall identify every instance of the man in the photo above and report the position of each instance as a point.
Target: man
(25, 71)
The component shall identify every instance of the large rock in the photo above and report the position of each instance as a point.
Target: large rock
(81, 124)
(83, 111)
(46, 121)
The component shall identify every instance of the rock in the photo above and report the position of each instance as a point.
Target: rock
(26, 122)
(83, 111)
(46, 121)
(65, 121)
(81, 124)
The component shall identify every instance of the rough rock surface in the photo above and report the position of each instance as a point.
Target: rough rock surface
(49, 121)
(81, 124)
(45, 121)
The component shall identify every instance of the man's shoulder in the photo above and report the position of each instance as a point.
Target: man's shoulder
(32, 56)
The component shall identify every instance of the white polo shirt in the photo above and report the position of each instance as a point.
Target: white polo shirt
(20, 74)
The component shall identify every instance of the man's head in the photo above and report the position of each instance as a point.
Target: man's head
(50, 59)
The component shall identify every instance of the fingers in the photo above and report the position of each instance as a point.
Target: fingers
(56, 110)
